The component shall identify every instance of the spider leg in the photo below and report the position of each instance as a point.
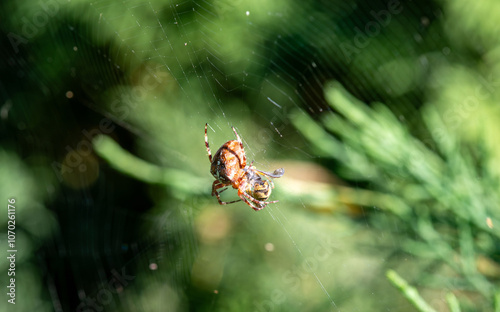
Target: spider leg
(225, 203)
(217, 185)
(261, 204)
(222, 190)
(254, 207)
(239, 140)
(231, 202)
(258, 201)
(206, 144)
(237, 136)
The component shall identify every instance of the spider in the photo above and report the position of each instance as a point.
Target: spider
(229, 168)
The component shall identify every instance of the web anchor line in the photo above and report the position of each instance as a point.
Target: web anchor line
(307, 262)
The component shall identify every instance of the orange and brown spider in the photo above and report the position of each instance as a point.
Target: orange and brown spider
(229, 168)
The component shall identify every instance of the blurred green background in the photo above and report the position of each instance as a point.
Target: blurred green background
(384, 115)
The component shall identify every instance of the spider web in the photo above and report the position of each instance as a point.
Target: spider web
(207, 62)
(183, 45)
(160, 70)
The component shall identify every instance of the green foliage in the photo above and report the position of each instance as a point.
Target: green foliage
(443, 198)
(409, 292)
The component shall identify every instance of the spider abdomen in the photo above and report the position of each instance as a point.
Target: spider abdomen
(227, 163)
